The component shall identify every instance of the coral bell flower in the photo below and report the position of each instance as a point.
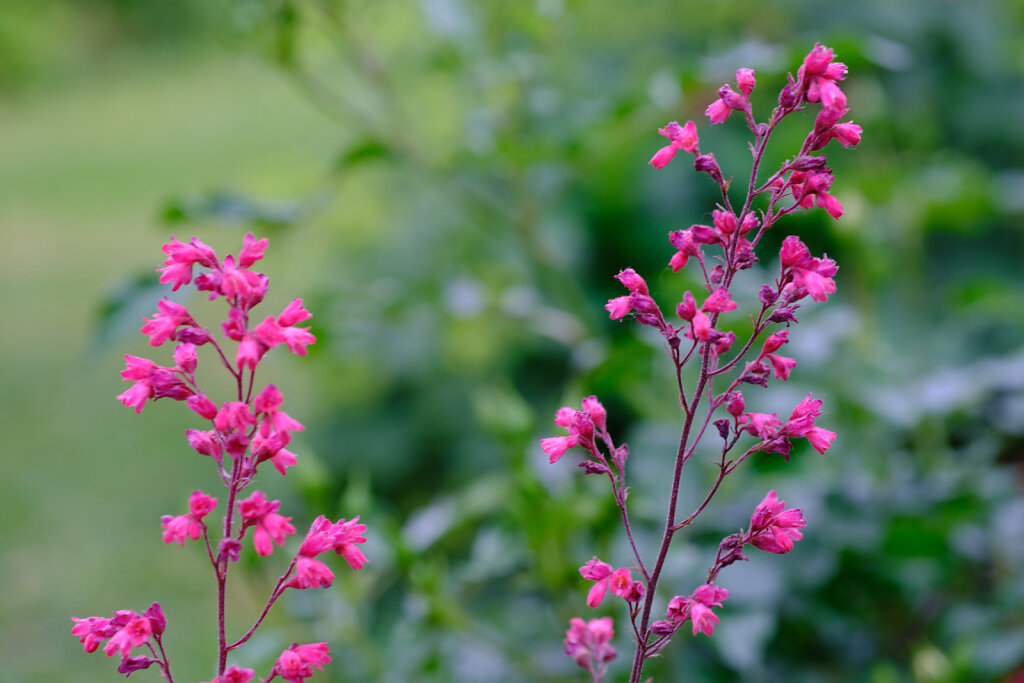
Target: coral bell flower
(801, 424)
(773, 528)
(296, 663)
(587, 641)
(682, 137)
(697, 608)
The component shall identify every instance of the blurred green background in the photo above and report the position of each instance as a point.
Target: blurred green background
(450, 185)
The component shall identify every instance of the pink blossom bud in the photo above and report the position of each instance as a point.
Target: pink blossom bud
(848, 134)
(702, 326)
(203, 443)
(793, 251)
(745, 81)
(293, 314)
(185, 358)
(156, 618)
(732, 99)
(816, 61)
(687, 308)
(725, 221)
(235, 326)
(202, 406)
(706, 163)
(774, 342)
(632, 281)
(750, 221)
(736, 404)
(597, 412)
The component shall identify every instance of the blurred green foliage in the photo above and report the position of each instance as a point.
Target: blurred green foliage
(483, 177)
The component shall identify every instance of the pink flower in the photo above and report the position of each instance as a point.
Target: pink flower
(697, 608)
(818, 75)
(684, 241)
(177, 529)
(271, 527)
(718, 111)
(202, 406)
(725, 222)
(598, 415)
(234, 674)
(169, 317)
(252, 250)
(177, 269)
(808, 275)
(587, 642)
(310, 573)
(682, 137)
(745, 81)
(92, 631)
(632, 281)
(619, 581)
(296, 663)
(293, 314)
(762, 425)
(702, 326)
(718, 302)
(134, 633)
(345, 536)
(781, 365)
(618, 307)
(234, 416)
(774, 342)
(136, 396)
(801, 424)
(774, 528)
(249, 353)
(848, 134)
(556, 446)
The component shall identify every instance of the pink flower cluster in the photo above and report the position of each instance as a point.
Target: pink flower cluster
(707, 335)
(619, 581)
(241, 433)
(587, 642)
(123, 632)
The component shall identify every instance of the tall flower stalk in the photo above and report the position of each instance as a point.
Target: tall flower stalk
(725, 363)
(239, 435)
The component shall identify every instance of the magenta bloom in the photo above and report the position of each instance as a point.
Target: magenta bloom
(762, 425)
(697, 608)
(310, 573)
(271, 527)
(252, 250)
(556, 446)
(682, 137)
(177, 529)
(718, 111)
(165, 323)
(619, 581)
(773, 528)
(234, 674)
(296, 663)
(801, 423)
(134, 633)
(718, 302)
(587, 642)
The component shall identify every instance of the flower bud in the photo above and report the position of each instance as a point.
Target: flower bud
(745, 81)
(706, 163)
(591, 467)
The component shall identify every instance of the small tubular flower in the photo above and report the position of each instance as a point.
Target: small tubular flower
(587, 642)
(297, 662)
(773, 528)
